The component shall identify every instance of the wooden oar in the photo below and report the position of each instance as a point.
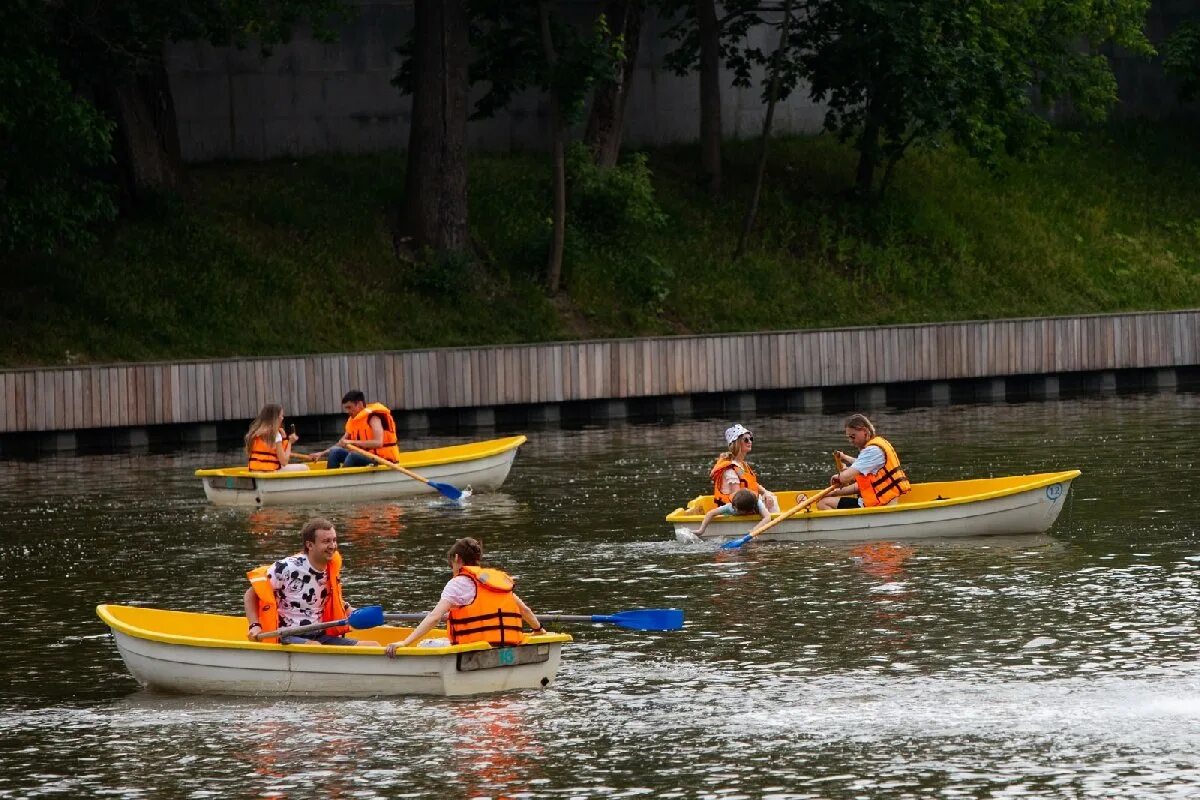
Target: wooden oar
(638, 619)
(361, 618)
(449, 491)
(762, 527)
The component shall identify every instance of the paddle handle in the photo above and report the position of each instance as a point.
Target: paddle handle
(384, 462)
(297, 630)
(541, 617)
(766, 526)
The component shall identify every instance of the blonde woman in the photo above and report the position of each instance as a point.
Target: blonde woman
(732, 471)
(268, 448)
(873, 478)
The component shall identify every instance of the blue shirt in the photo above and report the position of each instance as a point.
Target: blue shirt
(871, 459)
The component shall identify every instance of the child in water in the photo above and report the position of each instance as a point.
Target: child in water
(743, 501)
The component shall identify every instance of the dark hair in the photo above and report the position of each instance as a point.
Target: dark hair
(744, 501)
(469, 550)
(308, 534)
(861, 423)
(354, 396)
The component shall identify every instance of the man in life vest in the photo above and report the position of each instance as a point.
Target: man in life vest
(479, 603)
(874, 478)
(302, 590)
(369, 427)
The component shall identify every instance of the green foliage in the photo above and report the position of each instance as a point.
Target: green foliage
(894, 72)
(510, 56)
(291, 257)
(613, 216)
(1181, 59)
(52, 143)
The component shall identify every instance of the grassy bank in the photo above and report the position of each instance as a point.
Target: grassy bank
(296, 257)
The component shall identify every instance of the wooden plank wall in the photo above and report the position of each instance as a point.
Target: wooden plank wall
(73, 398)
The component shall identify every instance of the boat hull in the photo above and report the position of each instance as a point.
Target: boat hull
(481, 466)
(1021, 507)
(247, 669)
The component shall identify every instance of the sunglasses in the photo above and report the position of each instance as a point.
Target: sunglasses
(746, 437)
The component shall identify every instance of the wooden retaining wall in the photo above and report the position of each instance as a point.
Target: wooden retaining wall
(136, 395)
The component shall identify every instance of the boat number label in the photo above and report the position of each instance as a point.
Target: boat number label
(507, 657)
(1054, 491)
(503, 657)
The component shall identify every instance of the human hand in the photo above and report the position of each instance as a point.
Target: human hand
(293, 438)
(835, 482)
(390, 650)
(252, 630)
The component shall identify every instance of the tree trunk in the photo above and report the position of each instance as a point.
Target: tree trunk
(558, 153)
(434, 214)
(606, 123)
(147, 135)
(868, 149)
(772, 101)
(709, 32)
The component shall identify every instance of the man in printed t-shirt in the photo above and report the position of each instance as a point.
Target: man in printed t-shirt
(301, 590)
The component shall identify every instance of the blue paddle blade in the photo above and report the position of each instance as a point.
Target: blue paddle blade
(447, 490)
(366, 617)
(645, 619)
(736, 542)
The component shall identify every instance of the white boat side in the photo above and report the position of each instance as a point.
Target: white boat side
(1015, 505)
(479, 465)
(195, 665)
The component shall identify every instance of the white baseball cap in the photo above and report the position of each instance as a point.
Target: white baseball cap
(734, 431)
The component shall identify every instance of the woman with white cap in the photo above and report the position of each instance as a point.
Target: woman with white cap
(732, 472)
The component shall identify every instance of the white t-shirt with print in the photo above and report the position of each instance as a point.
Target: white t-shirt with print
(299, 589)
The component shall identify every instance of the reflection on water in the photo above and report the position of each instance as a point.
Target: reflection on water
(1062, 665)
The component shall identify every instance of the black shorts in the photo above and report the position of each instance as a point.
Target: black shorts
(847, 502)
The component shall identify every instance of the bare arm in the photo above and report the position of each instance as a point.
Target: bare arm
(527, 614)
(250, 602)
(429, 623)
(707, 519)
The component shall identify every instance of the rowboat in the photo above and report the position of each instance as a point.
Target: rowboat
(979, 507)
(480, 465)
(190, 653)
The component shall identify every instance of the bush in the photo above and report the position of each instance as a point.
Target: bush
(612, 215)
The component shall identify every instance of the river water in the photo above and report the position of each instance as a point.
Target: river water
(1064, 665)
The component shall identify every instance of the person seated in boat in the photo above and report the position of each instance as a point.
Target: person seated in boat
(268, 448)
(732, 471)
(302, 590)
(479, 602)
(743, 501)
(873, 478)
(369, 427)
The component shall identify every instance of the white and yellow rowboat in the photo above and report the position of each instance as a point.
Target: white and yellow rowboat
(480, 465)
(980, 507)
(189, 653)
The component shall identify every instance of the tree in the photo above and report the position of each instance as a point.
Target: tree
(527, 43)
(606, 122)
(1181, 59)
(53, 143)
(780, 81)
(114, 53)
(434, 214)
(704, 40)
(897, 72)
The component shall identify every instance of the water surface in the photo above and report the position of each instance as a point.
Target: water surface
(1062, 665)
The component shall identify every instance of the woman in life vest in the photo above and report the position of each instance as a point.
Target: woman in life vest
(732, 471)
(268, 448)
(479, 603)
(874, 478)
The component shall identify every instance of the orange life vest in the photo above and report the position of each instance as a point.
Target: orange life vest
(746, 476)
(493, 616)
(358, 429)
(262, 454)
(268, 605)
(889, 482)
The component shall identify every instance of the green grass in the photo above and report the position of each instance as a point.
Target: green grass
(296, 257)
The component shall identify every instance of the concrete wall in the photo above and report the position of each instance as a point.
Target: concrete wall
(310, 97)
